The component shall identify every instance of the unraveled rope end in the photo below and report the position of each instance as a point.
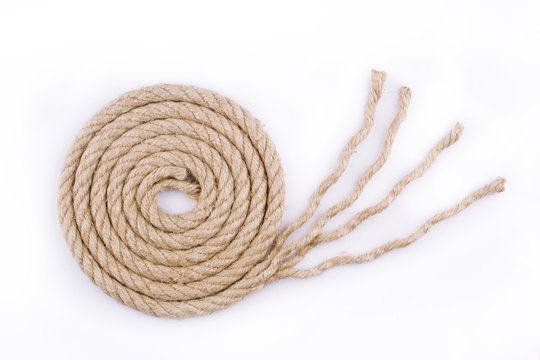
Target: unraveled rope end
(456, 132)
(377, 81)
(406, 93)
(295, 251)
(497, 185)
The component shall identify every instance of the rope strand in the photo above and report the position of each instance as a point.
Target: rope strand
(495, 186)
(366, 177)
(377, 82)
(228, 246)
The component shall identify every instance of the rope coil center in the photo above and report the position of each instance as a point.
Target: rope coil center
(229, 245)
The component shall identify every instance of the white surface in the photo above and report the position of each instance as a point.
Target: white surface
(470, 289)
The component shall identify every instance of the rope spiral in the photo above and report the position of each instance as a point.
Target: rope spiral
(229, 245)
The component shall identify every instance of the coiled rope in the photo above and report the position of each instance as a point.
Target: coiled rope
(229, 245)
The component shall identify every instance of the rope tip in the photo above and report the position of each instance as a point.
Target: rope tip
(377, 80)
(498, 184)
(456, 132)
(378, 74)
(406, 93)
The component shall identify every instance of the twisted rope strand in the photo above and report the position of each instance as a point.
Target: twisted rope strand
(377, 83)
(228, 246)
(495, 186)
(366, 177)
(286, 269)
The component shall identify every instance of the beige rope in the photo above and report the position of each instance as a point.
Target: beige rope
(228, 246)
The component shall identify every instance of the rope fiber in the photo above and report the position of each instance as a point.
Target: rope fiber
(230, 244)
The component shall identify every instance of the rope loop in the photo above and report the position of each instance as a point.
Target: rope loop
(229, 245)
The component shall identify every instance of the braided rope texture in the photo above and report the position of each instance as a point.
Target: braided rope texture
(229, 245)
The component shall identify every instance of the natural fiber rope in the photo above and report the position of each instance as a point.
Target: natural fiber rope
(228, 246)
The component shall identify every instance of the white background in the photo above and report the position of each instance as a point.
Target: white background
(470, 289)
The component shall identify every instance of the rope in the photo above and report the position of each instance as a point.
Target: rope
(229, 245)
